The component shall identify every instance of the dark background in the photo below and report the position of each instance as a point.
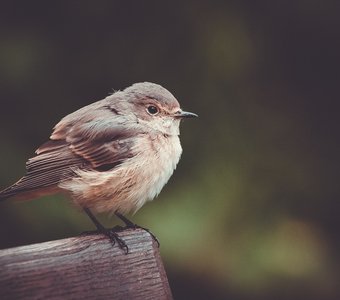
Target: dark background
(252, 212)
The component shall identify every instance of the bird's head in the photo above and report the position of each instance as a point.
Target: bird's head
(155, 107)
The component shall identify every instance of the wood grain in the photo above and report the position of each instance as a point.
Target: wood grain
(85, 267)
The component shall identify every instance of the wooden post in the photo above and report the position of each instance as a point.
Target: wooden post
(85, 267)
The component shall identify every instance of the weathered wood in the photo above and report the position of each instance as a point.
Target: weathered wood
(85, 267)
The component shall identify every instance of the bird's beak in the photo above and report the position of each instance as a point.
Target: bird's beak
(185, 114)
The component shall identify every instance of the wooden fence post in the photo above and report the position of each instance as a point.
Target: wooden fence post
(85, 267)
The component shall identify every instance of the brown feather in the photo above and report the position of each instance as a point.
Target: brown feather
(57, 160)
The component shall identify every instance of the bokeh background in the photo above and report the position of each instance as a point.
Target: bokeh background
(252, 212)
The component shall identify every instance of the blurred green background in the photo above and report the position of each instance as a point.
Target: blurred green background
(252, 212)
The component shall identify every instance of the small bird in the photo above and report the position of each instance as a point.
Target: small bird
(110, 156)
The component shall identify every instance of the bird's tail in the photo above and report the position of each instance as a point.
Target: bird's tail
(8, 192)
(20, 192)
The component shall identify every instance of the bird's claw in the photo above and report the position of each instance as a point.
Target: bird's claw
(112, 235)
(135, 226)
(129, 224)
(114, 238)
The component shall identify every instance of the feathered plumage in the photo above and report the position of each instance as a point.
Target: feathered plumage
(113, 154)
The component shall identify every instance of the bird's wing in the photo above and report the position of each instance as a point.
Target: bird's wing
(101, 144)
(95, 145)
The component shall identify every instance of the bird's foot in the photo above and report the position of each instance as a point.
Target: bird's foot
(110, 233)
(113, 236)
(129, 224)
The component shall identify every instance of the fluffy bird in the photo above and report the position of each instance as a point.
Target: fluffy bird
(110, 156)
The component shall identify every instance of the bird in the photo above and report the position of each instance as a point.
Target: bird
(111, 156)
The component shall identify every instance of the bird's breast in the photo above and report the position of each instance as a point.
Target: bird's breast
(165, 154)
(128, 186)
(157, 164)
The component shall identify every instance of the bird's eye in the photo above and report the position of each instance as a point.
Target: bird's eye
(152, 110)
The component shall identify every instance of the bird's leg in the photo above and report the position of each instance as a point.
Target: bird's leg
(132, 225)
(110, 233)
